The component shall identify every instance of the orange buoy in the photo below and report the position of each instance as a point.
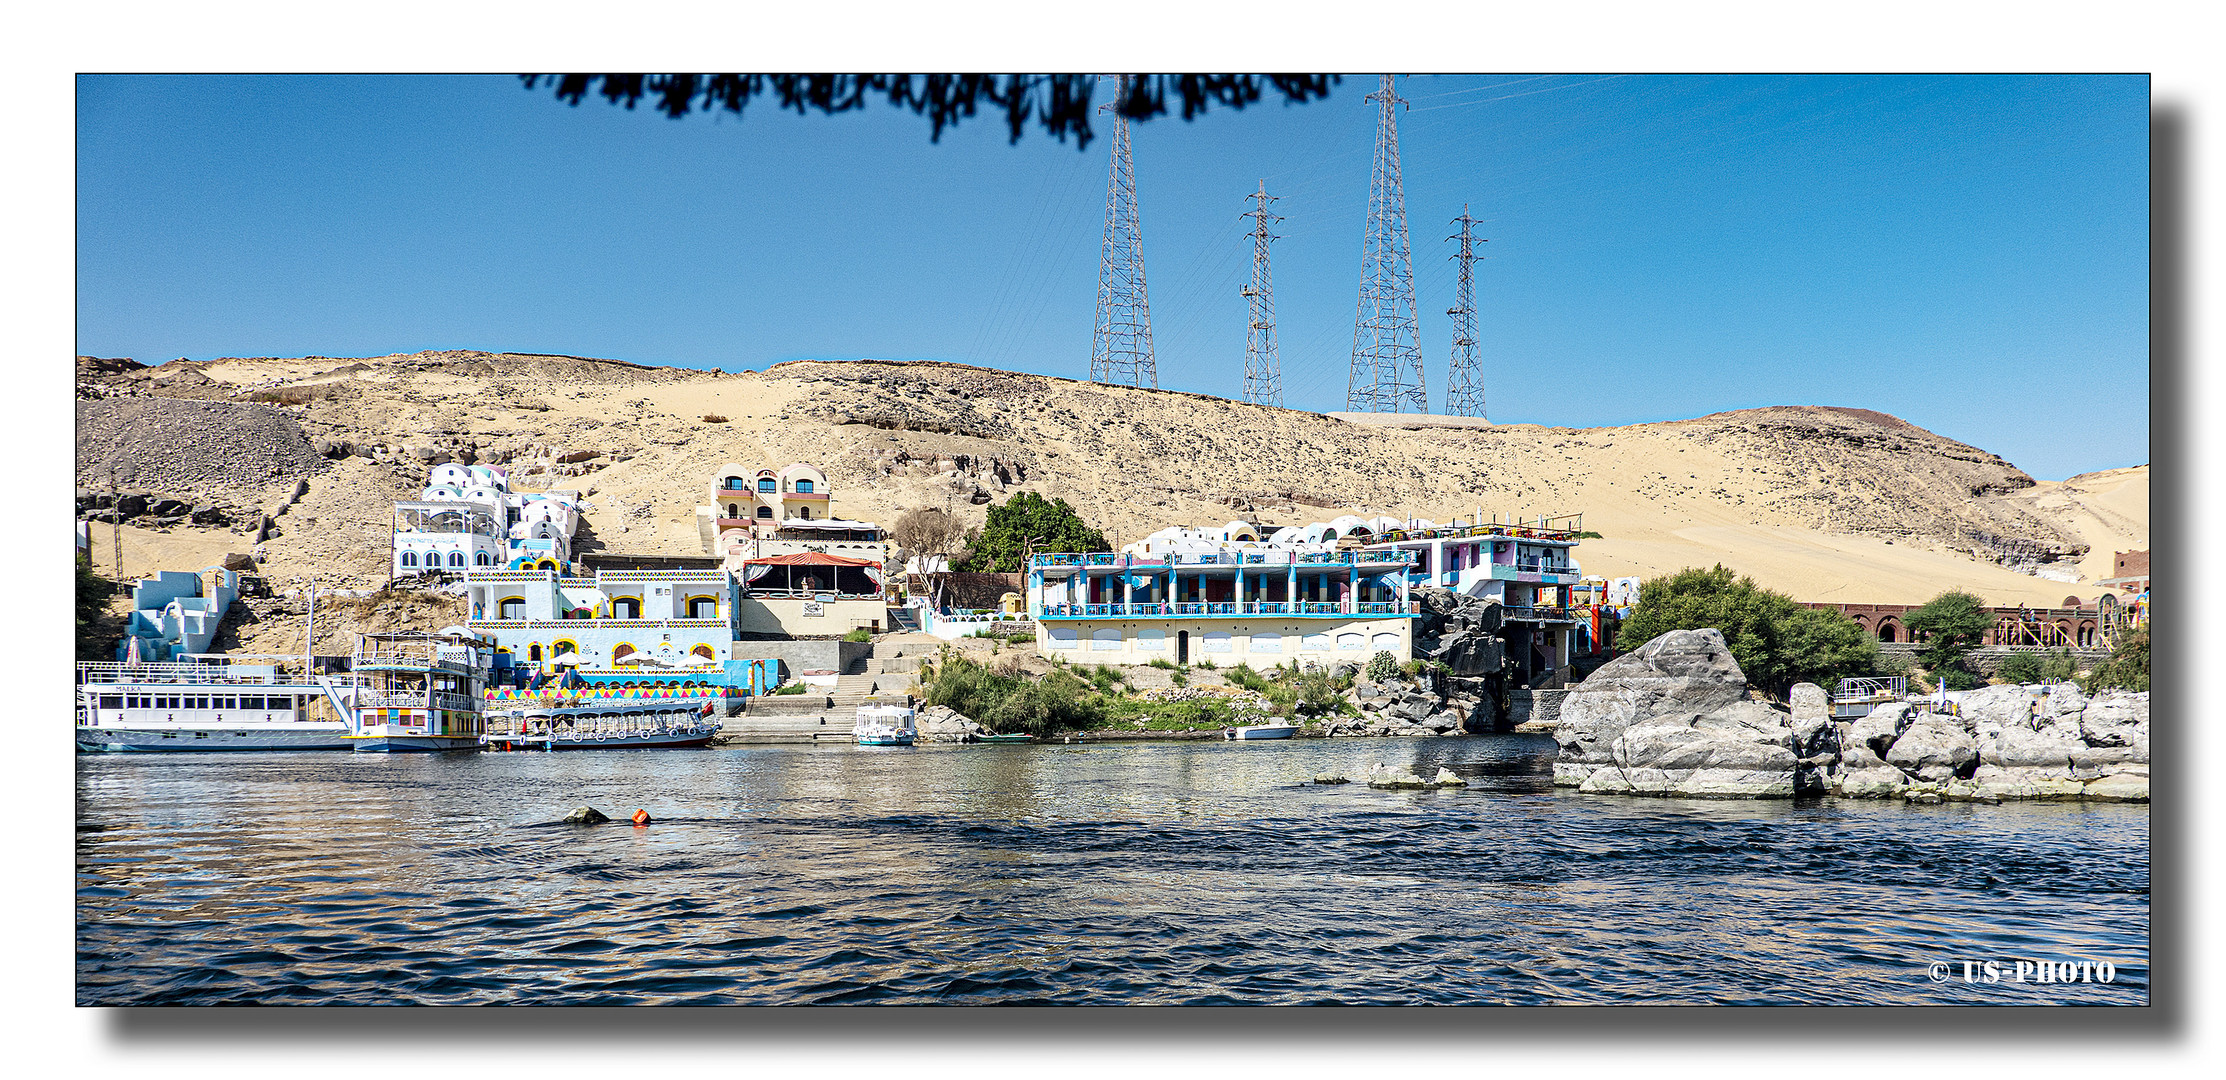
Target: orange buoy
(641, 818)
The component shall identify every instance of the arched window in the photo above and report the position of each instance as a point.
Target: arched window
(511, 607)
(1886, 632)
(765, 483)
(706, 652)
(626, 607)
(734, 510)
(804, 513)
(565, 645)
(1351, 643)
(803, 487)
(1217, 641)
(1062, 637)
(533, 652)
(621, 651)
(1266, 642)
(765, 512)
(1151, 640)
(1315, 642)
(703, 607)
(1386, 643)
(732, 483)
(481, 558)
(409, 559)
(456, 558)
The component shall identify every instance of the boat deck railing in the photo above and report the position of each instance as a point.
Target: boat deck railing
(244, 674)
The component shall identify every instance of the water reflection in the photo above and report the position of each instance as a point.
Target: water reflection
(1174, 872)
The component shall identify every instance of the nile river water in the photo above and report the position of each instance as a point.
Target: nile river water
(1127, 873)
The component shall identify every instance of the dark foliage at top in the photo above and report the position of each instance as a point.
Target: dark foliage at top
(1061, 103)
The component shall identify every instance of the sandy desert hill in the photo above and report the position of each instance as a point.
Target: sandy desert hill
(1821, 503)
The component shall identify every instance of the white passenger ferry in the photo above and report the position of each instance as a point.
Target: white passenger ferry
(410, 691)
(222, 703)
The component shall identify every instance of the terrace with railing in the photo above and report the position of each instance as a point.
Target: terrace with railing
(1124, 560)
(1226, 609)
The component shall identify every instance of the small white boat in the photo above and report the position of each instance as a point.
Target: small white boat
(1276, 730)
(884, 725)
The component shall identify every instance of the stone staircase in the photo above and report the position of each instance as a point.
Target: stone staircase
(904, 620)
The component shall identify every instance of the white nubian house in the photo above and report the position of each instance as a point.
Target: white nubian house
(468, 519)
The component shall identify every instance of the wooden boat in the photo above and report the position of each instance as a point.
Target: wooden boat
(1002, 739)
(603, 724)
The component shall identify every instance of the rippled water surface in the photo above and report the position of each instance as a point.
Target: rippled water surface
(1153, 873)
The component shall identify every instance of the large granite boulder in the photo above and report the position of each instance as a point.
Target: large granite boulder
(1461, 632)
(2116, 718)
(1935, 750)
(941, 724)
(1687, 672)
(1673, 718)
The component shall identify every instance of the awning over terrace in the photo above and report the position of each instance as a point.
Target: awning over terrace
(812, 571)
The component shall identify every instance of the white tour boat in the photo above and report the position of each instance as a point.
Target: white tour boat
(884, 725)
(215, 703)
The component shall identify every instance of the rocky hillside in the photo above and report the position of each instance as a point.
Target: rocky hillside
(1838, 495)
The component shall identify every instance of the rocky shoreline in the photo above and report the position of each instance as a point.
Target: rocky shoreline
(1676, 718)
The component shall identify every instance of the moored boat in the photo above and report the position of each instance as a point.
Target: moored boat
(247, 702)
(603, 725)
(415, 692)
(1002, 739)
(884, 725)
(1276, 730)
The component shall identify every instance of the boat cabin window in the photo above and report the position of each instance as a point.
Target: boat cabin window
(252, 704)
(115, 702)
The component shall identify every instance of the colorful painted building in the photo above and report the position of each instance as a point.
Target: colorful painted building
(662, 618)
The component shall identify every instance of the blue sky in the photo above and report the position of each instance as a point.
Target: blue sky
(1968, 253)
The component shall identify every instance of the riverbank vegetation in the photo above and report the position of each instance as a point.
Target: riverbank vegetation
(1002, 697)
(1776, 641)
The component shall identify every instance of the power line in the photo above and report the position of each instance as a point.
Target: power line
(1386, 373)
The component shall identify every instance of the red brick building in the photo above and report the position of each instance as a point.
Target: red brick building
(2073, 624)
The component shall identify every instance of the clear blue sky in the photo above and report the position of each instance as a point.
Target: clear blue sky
(1970, 254)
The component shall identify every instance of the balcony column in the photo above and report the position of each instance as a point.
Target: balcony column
(1239, 594)
(1352, 586)
(1291, 590)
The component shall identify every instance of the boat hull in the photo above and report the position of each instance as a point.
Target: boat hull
(412, 744)
(1263, 731)
(113, 740)
(884, 740)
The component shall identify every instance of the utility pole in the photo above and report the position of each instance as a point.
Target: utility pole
(1464, 384)
(1121, 348)
(1386, 373)
(1263, 373)
(115, 527)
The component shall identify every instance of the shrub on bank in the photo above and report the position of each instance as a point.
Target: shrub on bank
(1776, 641)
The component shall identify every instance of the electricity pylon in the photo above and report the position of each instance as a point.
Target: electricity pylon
(1263, 373)
(1386, 374)
(1121, 349)
(1464, 384)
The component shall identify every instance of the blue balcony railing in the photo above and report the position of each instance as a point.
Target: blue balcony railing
(1226, 609)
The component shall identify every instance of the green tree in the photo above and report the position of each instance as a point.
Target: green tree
(2127, 668)
(1950, 625)
(1776, 641)
(1026, 524)
(93, 592)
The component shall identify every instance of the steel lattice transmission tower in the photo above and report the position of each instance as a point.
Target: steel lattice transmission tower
(1387, 344)
(1121, 350)
(1263, 373)
(1464, 383)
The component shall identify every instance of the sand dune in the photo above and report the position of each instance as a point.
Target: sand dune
(1821, 503)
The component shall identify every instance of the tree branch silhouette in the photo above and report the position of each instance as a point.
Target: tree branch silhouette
(1060, 103)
